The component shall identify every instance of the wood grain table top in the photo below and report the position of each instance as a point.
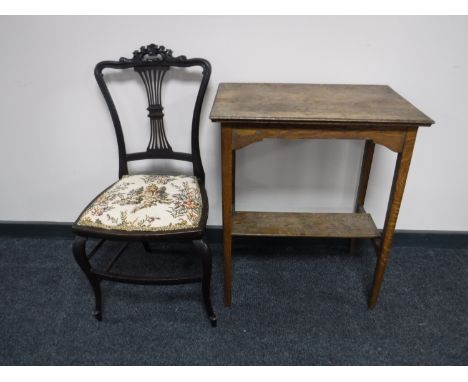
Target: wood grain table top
(314, 104)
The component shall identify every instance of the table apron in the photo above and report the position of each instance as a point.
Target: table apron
(393, 139)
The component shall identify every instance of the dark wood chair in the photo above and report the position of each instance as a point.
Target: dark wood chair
(146, 208)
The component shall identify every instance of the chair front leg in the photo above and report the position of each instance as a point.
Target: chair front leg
(146, 246)
(79, 252)
(205, 254)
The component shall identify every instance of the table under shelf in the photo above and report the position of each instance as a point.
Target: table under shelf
(301, 224)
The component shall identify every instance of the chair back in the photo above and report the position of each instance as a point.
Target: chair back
(152, 63)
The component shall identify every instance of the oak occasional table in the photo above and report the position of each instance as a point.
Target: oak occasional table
(250, 112)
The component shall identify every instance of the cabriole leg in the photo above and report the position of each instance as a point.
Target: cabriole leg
(79, 252)
(146, 246)
(204, 251)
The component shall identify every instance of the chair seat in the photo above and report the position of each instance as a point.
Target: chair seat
(149, 203)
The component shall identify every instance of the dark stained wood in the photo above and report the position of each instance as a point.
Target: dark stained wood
(314, 103)
(396, 195)
(246, 134)
(227, 187)
(341, 225)
(151, 62)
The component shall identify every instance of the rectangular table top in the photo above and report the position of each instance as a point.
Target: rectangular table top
(314, 104)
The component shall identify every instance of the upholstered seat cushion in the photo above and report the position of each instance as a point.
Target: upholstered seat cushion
(146, 203)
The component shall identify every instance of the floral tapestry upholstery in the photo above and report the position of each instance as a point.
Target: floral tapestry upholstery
(147, 203)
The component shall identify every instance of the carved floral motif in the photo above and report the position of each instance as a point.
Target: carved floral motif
(153, 53)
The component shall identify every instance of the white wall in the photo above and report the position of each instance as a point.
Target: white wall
(57, 144)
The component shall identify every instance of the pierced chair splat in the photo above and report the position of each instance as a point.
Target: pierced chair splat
(149, 207)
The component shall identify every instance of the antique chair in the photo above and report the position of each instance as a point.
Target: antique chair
(154, 207)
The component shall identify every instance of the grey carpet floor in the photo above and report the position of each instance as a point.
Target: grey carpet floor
(296, 302)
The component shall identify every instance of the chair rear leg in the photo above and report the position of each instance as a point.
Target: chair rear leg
(205, 253)
(146, 246)
(79, 252)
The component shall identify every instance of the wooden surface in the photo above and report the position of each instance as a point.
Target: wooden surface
(396, 194)
(252, 112)
(343, 225)
(363, 181)
(246, 134)
(313, 103)
(227, 161)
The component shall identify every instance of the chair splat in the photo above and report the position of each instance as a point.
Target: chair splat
(152, 77)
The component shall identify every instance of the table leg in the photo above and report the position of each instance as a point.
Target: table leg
(396, 194)
(363, 181)
(228, 187)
